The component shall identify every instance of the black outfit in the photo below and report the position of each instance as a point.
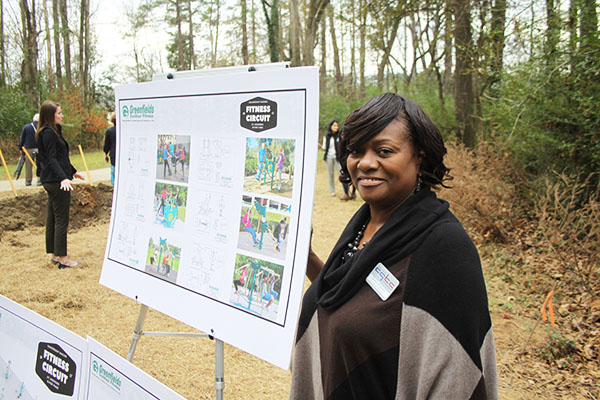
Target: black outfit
(431, 339)
(110, 144)
(28, 141)
(55, 166)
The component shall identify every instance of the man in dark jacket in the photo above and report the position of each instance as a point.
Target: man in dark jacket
(28, 141)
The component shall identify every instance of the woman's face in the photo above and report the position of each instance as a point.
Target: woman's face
(334, 127)
(384, 170)
(58, 116)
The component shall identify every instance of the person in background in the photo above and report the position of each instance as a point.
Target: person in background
(56, 175)
(262, 152)
(331, 157)
(279, 166)
(400, 309)
(28, 141)
(110, 146)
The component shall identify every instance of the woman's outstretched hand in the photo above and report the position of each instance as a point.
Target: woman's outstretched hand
(66, 185)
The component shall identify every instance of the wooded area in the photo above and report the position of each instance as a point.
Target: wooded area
(523, 74)
(513, 86)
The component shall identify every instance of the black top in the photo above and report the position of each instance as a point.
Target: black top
(27, 139)
(110, 144)
(53, 156)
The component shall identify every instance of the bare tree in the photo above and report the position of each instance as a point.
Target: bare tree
(463, 98)
(48, 41)
(314, 13)
(271, 11)
(244, 31)
(66, 39)
(339, 79)
(2, 48)
(295, 52)
(29, 71)
(323, 66)
(84, 49)
(191, 32)
(57, 52)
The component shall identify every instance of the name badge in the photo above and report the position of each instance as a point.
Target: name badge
(382, 281)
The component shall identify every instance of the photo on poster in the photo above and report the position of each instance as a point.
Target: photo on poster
(264, 226)
(256, 286)
(269, 166)
(162, 259)
(173, 158)
(169, 205)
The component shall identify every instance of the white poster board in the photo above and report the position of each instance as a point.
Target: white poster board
(38, 358)
(110, 376)
(213, 201)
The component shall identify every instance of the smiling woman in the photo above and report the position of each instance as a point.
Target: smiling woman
(399, 310)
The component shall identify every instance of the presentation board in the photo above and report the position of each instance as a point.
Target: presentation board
(38, 358)
(213, 201)
(112, 377)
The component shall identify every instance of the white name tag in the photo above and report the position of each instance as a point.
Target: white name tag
(382, 281)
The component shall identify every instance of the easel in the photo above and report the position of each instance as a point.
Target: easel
(139, 326)
(219, 347)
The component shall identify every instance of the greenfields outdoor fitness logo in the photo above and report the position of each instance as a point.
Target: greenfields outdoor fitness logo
(145, 112)
(106, 374)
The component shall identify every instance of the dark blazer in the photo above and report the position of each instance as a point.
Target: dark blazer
(110, 143)
(27, 138)
(53, 156)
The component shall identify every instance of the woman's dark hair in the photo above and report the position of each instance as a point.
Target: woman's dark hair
(333, 121)
(367, 121)
(47, 111)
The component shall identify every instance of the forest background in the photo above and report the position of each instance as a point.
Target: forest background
(514, 84)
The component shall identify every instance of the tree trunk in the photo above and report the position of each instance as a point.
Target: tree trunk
(323, 67)
(463, 101)
(573, 39)
(448, 49)
(84, 50)
(29, 72)
(272, 17)
(2, 51)
(48, 46)
(399, 13)
(353, 48)
(498, 24)
(253, 54)
(57, 52)
(339, 79)
(552, 32)
(244, 32)
(66, 40)
(179, 22)
(295, 53)
(362, 47)
(313, 18)
(191, 33)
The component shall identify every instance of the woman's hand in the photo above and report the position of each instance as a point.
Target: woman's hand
(66, 185)
(78, 176)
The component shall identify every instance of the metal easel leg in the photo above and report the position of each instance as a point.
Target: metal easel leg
(219, 368)
(138, 331)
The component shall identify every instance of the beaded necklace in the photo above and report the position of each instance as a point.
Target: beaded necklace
(353, 246)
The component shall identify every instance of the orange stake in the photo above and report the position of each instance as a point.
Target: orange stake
(12, 185)
(29, 157)
(548, 302)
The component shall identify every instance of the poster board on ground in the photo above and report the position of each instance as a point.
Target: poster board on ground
(110, 376)
(38, 358)
(213, 202)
